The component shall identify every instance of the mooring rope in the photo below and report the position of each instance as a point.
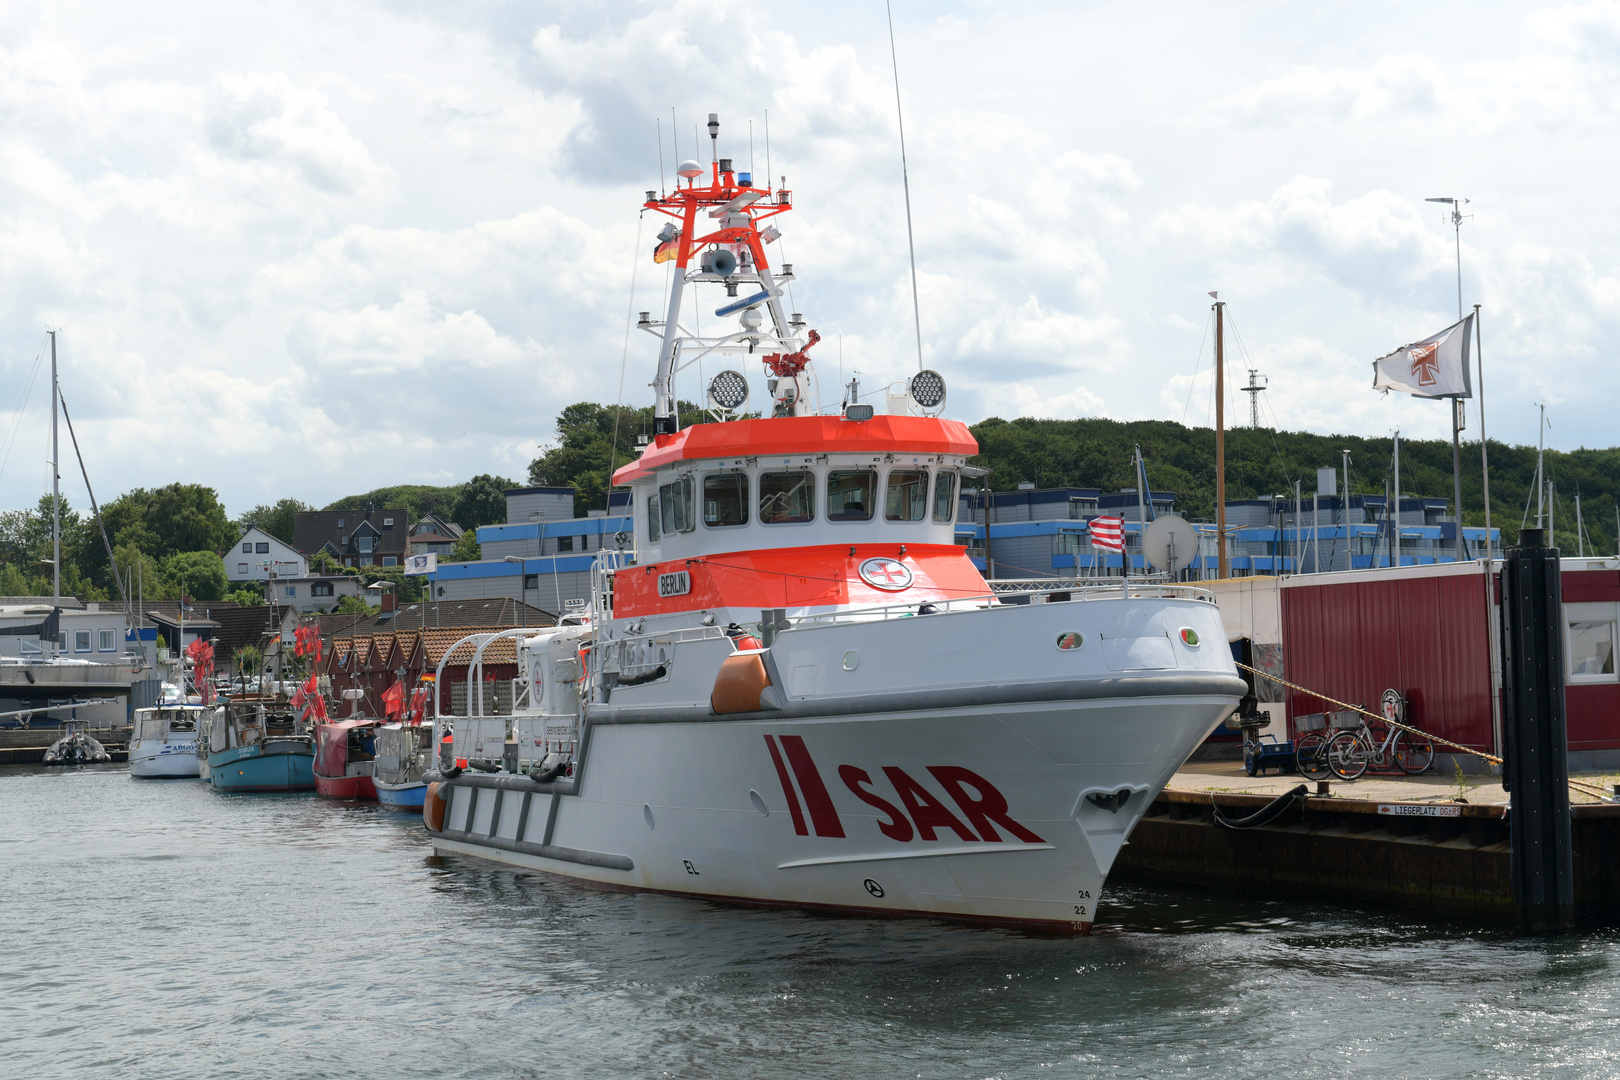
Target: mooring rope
(1580, 786)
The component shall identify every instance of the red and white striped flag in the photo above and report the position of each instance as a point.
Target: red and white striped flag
(1108, 533)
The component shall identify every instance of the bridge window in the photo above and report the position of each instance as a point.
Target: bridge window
(787, 497)
(652, 518)
(906, 498)
(945, 496)
(725, 499)
(675, 505)
(850, 494)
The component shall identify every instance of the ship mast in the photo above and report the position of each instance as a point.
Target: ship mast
(56, 489)
(731, 253)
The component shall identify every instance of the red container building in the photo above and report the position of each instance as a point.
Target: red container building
(1433, 633)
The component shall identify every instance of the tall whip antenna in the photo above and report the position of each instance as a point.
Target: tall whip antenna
(916, 307)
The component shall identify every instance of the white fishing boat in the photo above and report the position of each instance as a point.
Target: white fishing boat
(797, 689)
(163, 741)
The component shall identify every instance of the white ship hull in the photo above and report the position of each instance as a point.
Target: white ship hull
(906, 786)
(163, 760)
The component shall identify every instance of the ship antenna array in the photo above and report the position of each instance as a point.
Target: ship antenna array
(1257, 383)
(905, 180)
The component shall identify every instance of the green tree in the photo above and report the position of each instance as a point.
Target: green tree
(416, 499)
(407, 589)
(588, 451)
(188, 517)
(249, 659)
(323, 563)
(351, 605)
(247, 596)
(13, 582)
(467, 549)
(158, 521)
(198, 573)
(481, 501)
(145, 574)
(277, 518)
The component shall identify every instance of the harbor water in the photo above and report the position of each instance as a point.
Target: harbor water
(160, 929)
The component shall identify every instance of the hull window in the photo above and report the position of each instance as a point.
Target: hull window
(850, 494)
(725, 499)
(945, 496)
(906, 497)
(787, 497)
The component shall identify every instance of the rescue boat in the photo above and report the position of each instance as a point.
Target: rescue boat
(793, 687)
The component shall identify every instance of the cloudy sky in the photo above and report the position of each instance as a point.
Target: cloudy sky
(309, 249)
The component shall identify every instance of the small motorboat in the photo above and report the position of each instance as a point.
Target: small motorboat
(404, 755)
(76, 747)
(345, 757)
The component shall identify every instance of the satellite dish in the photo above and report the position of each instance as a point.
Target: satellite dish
(1170, 543)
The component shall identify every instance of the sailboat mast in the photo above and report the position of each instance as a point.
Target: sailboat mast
(1220, 440)
(1541, 449)
(1395, 536)
(56, 487)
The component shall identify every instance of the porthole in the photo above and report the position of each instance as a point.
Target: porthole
(1189, 636)
(852, 660)
(1070, 639)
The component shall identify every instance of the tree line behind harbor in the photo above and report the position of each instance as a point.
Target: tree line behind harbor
(1098, 453)
(171, 537)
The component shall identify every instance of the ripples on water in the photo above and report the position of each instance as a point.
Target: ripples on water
(158, 929)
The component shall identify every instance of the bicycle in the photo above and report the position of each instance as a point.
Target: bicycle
(1353, 750)
(1310, 748)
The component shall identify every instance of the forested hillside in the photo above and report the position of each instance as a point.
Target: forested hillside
(1097, 453)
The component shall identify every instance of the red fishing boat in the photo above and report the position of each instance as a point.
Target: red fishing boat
(345, 755)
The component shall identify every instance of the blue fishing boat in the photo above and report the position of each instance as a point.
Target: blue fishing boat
(403, 756)
(260, 747)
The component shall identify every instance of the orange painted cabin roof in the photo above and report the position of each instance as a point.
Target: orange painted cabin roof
(803, 435)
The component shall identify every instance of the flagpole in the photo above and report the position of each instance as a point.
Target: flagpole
(1484, 452)
(1220, 441)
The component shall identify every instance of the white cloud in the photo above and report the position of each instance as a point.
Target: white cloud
(348, 246)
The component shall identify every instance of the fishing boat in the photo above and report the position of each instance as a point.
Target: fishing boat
(345, 757)
(163, 741)
(404, 757)
(258, 745)
(796, 688)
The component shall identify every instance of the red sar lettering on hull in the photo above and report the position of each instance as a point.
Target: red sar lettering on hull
(920, 815)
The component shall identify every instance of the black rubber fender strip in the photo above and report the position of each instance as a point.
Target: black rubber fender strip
(1266, 814)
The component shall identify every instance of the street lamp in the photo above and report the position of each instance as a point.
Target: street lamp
(523, 588)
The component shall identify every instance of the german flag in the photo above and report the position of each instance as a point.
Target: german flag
(667, 251)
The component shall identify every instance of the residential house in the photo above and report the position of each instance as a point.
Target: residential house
(315, 594)
(357, 538)
(258, 556)
(433, 535)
